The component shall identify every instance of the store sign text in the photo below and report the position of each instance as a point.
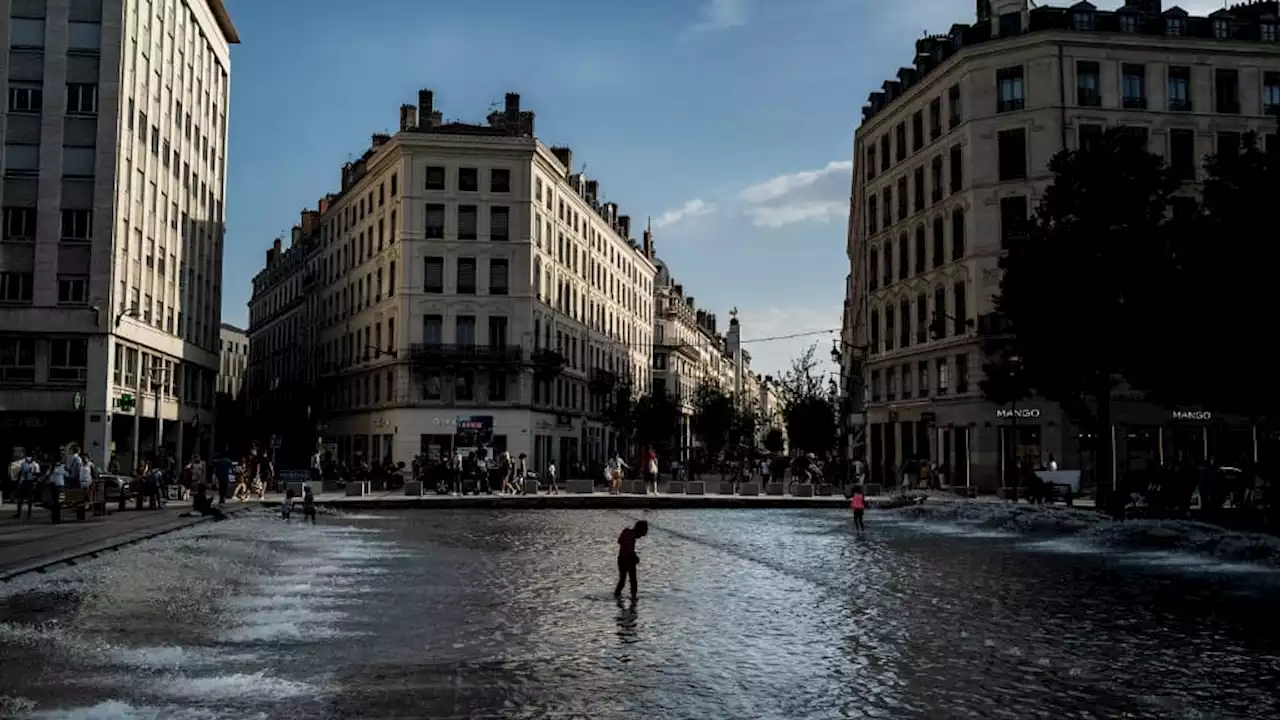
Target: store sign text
(1192, 415)
(1018, 413)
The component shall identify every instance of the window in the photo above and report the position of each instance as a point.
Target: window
(922, 318)
(884, 153)
(1268, 32)
(1010, 24)
(943, 385)
(497, 386)
(84, 36)
(1010, 91)
(875, 331)
(26, 32)
(78, 161)
(499, 223)
(1175, 26)
(920, 249)
(1228, 144)
(1133, 84)
(1222, 29)
(1087, 84)
(432, 329)
(395, 184)
(19, 223)
(15, 287)
(466, 276)
(17, 359)
(904, 327)
(871, 162)
(875, 386)
(435, 177)
(939, 243)
(498, 282)
(872, 216)
(873, 263)
(1082, 20)
(500, 180)
(21, 159)
(1013, 154)
(1271, 93)
(1182, 153)
(1089, 135)
(935, 119)
(1013, 220)
(957, 169)
(24, 97)
(467, 219)
(902, 198)
(465, 330)
(938, 326)
(900, 141)
(68, 359)
(918, 179)
(953, 104)
(468, 180)
(917, 131)
(435, 222)
(936, 168)
(73, 289)
(433, 275)
(77, 225)
(887, 205)
(904, 259)
(957, 234)
(962, 373)
(82, 99)
(1128, 23)
(888, 263)
(961, 313)
(1179, 88)
(392, 280)
(889, 333)
(1226, 91)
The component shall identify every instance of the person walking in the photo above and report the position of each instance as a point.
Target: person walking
(522, 472)
(223, 469)
(27, 476)
(651, 472)
(858, 505)
(613, 472)
(628, 560)
(552, 487)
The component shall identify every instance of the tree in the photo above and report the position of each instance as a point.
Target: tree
(1080, 287)
(714, 416)
(745, 424)
(774, 441)
(808, 407)
(656, 419)
(1226, 255)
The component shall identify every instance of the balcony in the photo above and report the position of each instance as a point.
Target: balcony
(435, 356)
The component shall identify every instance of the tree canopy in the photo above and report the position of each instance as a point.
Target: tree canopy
(808, 405)
(714, 418)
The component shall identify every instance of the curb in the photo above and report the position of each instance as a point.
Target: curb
(74, 558)
(574, 502)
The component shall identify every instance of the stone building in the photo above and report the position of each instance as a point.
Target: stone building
(114, 155)
(950, 160)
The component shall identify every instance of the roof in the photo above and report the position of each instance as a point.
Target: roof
(223, 19)
(232, 328)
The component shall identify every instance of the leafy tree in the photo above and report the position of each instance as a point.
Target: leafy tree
(1080, 287)
(746, 421)
(774, 441)
(714, 418)
(1217, 307)
(656, 418)
(808, 405)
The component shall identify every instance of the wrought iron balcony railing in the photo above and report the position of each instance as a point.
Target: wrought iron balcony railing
(433, 355)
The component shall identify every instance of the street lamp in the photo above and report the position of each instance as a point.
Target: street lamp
(130, 312)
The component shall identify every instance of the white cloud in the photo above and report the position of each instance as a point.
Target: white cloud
(722, 15)
(808, 196)
(691, 209)
(773, 357)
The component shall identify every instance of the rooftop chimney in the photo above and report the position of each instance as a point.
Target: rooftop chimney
(513, 107)
(564, 155)
(310, 221)
(380, 139)
(295, 235)
(408, 118)
(426, 108)
(624, 226)
(648, 243)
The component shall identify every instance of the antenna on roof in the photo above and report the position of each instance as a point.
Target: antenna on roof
(583, 171)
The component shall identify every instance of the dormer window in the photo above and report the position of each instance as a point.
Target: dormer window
(1128, 23)
(1221, 29)
(1082, 20)
(1269, 32)
(1174, 27)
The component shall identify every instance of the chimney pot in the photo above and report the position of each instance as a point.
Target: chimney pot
(408, 118)
(426, 107)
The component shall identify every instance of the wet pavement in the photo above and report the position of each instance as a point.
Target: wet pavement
(742, 614)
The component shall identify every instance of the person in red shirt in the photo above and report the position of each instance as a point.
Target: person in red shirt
(628, 561)
(858, 505)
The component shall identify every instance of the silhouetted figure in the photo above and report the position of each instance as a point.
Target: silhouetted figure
(628, 560)
(202, 503)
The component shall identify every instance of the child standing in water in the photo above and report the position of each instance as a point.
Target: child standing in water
(628, 561)
(308, 504)
(858, 505)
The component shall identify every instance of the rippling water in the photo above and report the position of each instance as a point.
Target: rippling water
(742, 614)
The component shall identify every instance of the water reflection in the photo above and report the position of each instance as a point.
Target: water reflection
(786, 614)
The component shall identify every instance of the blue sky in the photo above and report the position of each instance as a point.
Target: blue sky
(728, 122)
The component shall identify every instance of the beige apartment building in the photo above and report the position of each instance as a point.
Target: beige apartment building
(233, 357)
(472, 289)
(950, 160)
(114, 155)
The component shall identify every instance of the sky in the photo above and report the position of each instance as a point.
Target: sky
(727, 123)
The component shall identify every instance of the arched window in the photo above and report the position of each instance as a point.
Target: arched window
(920, 249)
(957, 234)
(873, 265)
(537, 274)
(537, 332)
(875, 331)
(904, 325)
(939, 319)
(904, 256)
(939, 243)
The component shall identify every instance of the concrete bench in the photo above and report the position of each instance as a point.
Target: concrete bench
(824, 490)
(725, 487)
(802, 490)
(296, 487)
(635, 487)
(774, 489)
(749, 489)
(675, 487)
(696, 487)
(530, 486)
(414, 488)
(355, 488)
(579, 486)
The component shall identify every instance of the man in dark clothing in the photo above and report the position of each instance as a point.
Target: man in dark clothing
(628, 561)
(222, 470)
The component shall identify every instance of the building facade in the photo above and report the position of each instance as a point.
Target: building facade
(115, 138)
(950, 161)
(472, 290)
(233, 358)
